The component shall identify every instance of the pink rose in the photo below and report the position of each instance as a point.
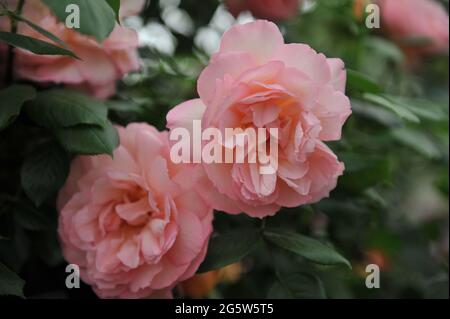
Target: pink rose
(265, 9)
(134, 224)
(404, 20)
(101, 65)
(255, 80)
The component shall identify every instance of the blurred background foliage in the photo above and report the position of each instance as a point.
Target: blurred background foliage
(390, 208)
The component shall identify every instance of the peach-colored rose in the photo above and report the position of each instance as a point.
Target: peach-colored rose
(257, 81)
(265, 9)
(405, 20)
(134, 224)
(101, 65)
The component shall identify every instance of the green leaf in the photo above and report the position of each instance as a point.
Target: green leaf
(97, 18)
(309, 248)
(418, 141)
(33, 45)
(37, 28)
(10, 283)
(393, 106)
(442, 183)
(385, 47)
(11, 101)
(360, 82)
(89, 139)
(297, 286)
(47, 244)
(375, 113)
(228, 248)
(64, 108)
(124, 106)
(363, 171)
(423, 108)
(115, 5)
(44, 172)
(31, 218)
(15, 251)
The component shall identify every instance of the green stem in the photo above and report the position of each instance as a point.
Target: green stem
(263, 224)
(10, 72)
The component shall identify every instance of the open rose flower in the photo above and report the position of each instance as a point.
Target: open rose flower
(265, 9)
(134, 224)
(407, 20)
(100, 65)
(258, 81)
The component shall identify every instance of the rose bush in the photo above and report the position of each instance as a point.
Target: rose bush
(256, 80)
(134, 224)
(137, 224)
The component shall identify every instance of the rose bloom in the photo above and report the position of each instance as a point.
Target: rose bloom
(100, 65)
(265, 9)
(135, 224)
(405, 20)
(257, 81)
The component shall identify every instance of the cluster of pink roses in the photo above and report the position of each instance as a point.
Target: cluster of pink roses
(138, 224)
